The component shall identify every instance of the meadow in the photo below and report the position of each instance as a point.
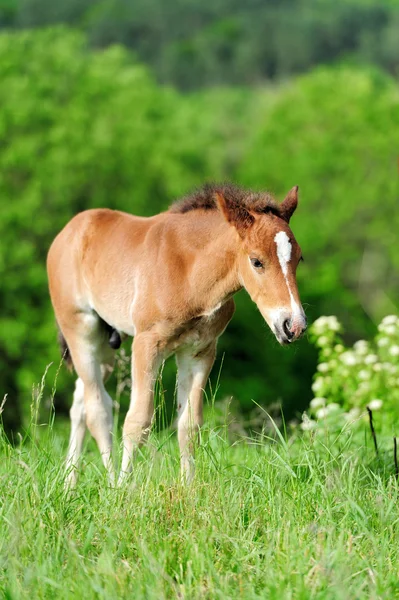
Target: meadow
(296, 511)
(290, 499)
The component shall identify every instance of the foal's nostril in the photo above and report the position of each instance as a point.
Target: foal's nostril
(287, 329)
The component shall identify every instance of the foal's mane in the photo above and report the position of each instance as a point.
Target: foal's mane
(205, 198)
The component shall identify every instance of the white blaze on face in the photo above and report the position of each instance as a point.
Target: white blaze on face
(284, 251)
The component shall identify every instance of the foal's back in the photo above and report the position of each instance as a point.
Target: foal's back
(93, 263)
(133, 271)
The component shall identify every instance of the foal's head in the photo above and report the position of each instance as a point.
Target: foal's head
(268, 258)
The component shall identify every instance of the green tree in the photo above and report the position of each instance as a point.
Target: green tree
(82, 128)
(78, 129)
(334, 133)
(194, 43)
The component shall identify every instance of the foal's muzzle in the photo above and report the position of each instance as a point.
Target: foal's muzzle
(288, 329)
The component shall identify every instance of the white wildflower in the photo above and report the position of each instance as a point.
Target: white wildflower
(323, 341)
(375, 404)
(348, 358)
(390, 368)
(394, 350)
(330, 323)
(323, 367)
(320, 322)
(363, 374)
(352, 414)
(307, 424)
(384, 341)
(327, 352)
(319, 325)
(322, 413)
(318, 402)
(377, 367)
(371, 359)
(332, 364)
(388, 329)
(318, 384)
(333, 407)
(361, 347)
(364, 386)
(333, 324)
(390, 320)
(339, 348)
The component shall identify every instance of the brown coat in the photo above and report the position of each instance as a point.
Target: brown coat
(167, 280)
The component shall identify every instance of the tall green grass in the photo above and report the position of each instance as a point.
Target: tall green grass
(273, 516)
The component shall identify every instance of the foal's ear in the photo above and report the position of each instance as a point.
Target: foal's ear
(288, 206)
(235, 214)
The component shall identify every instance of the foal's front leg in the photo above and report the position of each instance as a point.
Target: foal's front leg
(193, 373)
(146, 361)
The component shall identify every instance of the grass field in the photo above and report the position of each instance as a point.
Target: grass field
(266, 518)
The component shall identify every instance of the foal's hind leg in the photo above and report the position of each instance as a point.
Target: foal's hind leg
(193, 373)
(78, 424)
(87, 342)
(78, 430)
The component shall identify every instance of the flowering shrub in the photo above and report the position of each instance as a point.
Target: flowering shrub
(348, 380)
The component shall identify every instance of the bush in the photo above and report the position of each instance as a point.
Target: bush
(351, 379)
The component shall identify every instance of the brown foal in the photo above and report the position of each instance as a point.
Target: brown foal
(168, 281)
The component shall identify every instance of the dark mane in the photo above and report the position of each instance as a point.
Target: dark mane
(204, 199)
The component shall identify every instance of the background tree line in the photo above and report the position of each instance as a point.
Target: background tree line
(83, 127)
(195, 43)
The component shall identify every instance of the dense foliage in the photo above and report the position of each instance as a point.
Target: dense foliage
(227, 41)
(77, 130)
(349, 380)
(335, 132)
(82, 128)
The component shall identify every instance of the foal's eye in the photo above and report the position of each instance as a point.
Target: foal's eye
(256, 263)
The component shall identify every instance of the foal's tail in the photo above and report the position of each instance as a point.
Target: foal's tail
(66, 355)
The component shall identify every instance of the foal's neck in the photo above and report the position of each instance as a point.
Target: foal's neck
(214, 270)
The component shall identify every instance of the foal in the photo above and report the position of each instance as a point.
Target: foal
(168, 281)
